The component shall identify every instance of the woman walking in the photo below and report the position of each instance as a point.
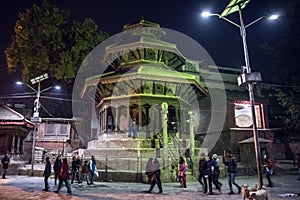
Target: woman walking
(156, 178)
(64, 177)
(181, 172)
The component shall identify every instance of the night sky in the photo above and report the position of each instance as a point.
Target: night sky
(220, 39)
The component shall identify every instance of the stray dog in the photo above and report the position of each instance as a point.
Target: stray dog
(246, 189)
(259, 194)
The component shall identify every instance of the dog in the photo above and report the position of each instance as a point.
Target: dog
(261, 194)
(246, 189)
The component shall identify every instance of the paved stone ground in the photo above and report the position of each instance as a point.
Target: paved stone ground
(24, 187)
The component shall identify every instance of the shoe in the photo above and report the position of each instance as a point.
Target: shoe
(231, 192)
(210, 193)
(45, 190)
(240, 190)
(56, 191)
(270, 185)
(69, 192)
(160, 192)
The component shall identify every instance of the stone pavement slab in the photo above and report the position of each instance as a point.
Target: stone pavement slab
(24, 187)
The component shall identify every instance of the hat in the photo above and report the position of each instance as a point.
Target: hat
(202, 155)
(214, 155)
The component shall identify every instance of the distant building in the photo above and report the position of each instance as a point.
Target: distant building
(14, 128)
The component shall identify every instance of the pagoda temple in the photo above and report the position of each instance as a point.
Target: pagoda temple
(144, 100)
(153, 101)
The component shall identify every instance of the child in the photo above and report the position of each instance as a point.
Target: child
(85, 172)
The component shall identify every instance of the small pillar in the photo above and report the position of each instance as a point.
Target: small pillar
(192, 135)
(164, 112)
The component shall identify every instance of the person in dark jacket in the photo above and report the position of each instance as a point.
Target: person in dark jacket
(156, 179)
(202, 178)
(5, 161)
(211, 165)
(64, 177)
(230, 161)
(76, 164)
(47, 173)
(56, 168)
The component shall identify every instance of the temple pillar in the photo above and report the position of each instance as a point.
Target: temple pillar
(105, 120)
(100, 120)
(192, 138)
(158, 124)
(128, 119)
(192, 134)
(12, 150)
(18, 145)
(116, 119)
(139, 124)
(147, 107)
(184, 127)
(179, 122)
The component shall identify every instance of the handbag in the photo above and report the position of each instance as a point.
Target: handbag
(269, 171)
(96, 173)
(180, 173)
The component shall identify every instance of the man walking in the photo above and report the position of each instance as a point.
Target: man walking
(203, 172)
(156, 179)
(93, 168)
(217, 171)
(230, 161)
(56, 168)
(5, 161)
(47, 173)
(76, 163)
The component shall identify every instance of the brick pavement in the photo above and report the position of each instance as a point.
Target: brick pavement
(24, 187)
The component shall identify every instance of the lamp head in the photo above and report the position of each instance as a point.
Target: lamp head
(206, 14)
(273, 17)
(57, 87)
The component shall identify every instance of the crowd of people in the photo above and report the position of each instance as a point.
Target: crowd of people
(208, 172)
(79, 170)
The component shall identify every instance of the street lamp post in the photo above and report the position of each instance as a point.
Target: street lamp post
(36, 118)
(248, 78)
